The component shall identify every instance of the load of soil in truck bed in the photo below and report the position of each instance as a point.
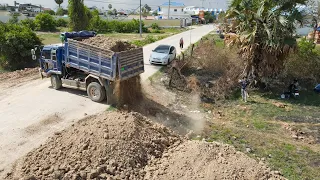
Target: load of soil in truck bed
(109, 43)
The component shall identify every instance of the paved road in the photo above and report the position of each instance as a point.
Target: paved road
(31, 113)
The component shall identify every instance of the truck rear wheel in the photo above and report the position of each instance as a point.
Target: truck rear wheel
(96, 92)
(56, 82)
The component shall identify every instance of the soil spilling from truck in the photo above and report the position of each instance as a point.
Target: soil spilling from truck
(109, 44)
(128, 92)
(123, 145)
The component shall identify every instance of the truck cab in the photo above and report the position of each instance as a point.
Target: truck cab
(51, 58)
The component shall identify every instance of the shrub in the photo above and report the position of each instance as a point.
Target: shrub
(29, 23)
(16, 41)
(14, 19)
(101, 26)
(51, 12)
(61, 23)
(155, 26)
(304, 65)
(45, 22)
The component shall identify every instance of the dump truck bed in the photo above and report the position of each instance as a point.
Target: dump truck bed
(104, 63)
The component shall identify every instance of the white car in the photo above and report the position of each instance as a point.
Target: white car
(163, 54)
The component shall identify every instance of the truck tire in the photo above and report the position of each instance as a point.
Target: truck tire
(56, 82)
(96, 92)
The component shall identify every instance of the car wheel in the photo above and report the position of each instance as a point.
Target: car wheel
(56, 82)
(96, 92)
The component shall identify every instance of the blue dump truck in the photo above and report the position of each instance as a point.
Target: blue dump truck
(86, 67)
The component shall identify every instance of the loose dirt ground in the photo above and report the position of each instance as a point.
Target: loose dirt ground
(123, 145)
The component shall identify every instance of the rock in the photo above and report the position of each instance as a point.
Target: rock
(248, 150)
(93, 174)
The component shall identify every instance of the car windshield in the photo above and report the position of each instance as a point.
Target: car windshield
(318, 86)
(162, 49)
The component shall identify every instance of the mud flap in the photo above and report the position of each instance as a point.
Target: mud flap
(111, 98)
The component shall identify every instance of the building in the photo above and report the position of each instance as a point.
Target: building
(175, 10)
(194, 10)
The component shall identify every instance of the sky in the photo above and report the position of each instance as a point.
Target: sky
(124, 4)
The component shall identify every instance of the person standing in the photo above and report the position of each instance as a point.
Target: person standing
(244, 83)
(181, 43)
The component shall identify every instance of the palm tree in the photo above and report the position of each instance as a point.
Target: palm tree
(110, 6)
(264, 33)
(59, 2)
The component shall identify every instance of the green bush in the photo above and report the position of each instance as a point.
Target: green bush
(61, 23)
(155, 26)
(305, 64)
(51, 12)
(156, 31)
(148, 40)
(28, 23)
(16, 41)
(14, 19)
(45, 22)
(101, 26)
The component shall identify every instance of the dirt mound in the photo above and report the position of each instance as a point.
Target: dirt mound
(109, 145)
(108, 43)
(202, 160)
(18, 74)
(129, 91)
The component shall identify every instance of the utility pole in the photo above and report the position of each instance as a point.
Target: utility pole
(169, 9)
(140, 29)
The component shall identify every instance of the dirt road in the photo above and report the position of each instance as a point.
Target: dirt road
(33, 112)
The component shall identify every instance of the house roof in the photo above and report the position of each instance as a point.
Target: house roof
(173, 4)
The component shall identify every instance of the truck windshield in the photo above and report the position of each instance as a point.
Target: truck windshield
(46, 54)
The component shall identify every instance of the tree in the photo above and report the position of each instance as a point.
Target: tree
(147, 7)
(208, 17)
(114, 12)
(264, 34)
(110, 6)
(15, 44)
(110, 13)
(60, 12)
(51, 12)
(78, 14)
(45, 22)
(155, 13)
(59, 2)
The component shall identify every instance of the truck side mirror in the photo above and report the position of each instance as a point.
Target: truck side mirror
(34, 57)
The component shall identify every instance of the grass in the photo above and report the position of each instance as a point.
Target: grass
(53, 38)
(254, 125)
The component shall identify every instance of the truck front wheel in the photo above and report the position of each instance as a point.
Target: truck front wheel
(56, 82)
(96, 92)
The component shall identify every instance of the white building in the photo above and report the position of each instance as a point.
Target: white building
(194, 10)
(176, 11)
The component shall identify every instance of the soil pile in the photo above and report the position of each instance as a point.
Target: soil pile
(111, 145)
(18, 74)
(109, 43)
(202, 160)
